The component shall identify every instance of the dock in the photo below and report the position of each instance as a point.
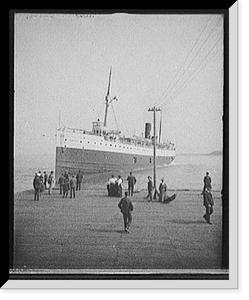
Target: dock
(86, 232)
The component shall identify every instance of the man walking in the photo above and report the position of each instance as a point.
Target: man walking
(131, 183)
(208, 202)
(126, 208)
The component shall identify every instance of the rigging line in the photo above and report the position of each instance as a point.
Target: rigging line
(194, 73)
(190, 63)
(179, 70)
(195, 55)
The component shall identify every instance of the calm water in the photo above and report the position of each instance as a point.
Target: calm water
(186, 172)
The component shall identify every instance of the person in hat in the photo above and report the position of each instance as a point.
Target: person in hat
(150, 188)
(72, 184)
(126, 208)
(37, 187)
(207, 182)
(119, 188)
(51, 181)
(131, 183)
(162, 190)
(208, 202)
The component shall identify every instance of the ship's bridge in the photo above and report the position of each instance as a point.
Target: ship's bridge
(99, 129)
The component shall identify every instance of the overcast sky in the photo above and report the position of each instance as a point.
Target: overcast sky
(62, 64)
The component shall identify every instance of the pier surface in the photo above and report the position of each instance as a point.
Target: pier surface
(87, 232)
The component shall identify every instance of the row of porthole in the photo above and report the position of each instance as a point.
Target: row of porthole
(107, 145)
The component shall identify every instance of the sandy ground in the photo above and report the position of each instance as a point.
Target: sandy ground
(87, 232)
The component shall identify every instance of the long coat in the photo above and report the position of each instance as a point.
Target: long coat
(208, 198)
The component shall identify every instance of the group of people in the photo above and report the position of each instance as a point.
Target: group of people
(115, 188)
(70, 184)
(42, 182)
(126, 205)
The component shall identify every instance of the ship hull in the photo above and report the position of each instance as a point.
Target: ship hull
(93, 161)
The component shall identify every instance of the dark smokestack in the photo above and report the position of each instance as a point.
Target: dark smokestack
(147, 130)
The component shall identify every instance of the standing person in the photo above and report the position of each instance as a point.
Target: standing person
(119, 182)
(37, 187)
(61, 183)
(72, 184)
(65, 187)
(51, 182)
(150, 188)
(42, 187)
(208, 202)
(79, 178)
(162, 190)
(45, 178)
(111, 186)
(66, 175)
(131, 183)
(126, 208)
(207, 182)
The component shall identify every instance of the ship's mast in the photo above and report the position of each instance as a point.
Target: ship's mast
(108, 98)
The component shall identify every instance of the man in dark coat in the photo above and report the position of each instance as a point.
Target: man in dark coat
(207, 182)
(61, 183)
(208, 202)
(131, 183)
(72, 184)
(150, 188)
(126, 208)
(37, 187)
(79, 178)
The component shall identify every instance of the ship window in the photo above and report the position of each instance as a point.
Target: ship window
(134, 160)
(150, 160)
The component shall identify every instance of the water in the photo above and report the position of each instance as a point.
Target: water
(186, 172)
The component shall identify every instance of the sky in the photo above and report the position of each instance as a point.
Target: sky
(62, 63)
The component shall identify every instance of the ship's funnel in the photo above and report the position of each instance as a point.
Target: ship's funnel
(147, 130)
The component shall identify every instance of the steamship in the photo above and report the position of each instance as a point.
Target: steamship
(102, 150)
